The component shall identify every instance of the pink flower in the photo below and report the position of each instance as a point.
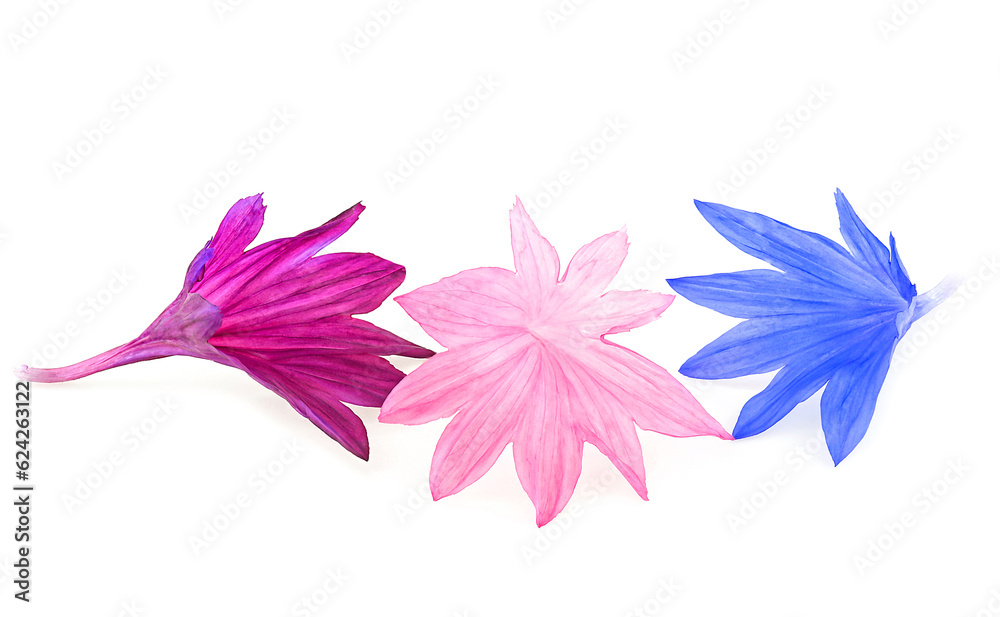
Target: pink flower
(283, 316)
(527, 362)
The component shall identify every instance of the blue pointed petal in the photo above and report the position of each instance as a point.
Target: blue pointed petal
(866, 248)
(790, 386)
(764, 344)
(791, 249)
(849, 399)
(899, 275)
(758, 293)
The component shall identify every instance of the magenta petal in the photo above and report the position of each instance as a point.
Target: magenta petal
(312, 397)
(340, 283)
(238, 229)
(284, 317)
(340, 333)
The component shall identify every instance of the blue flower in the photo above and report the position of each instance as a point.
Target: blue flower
(826, 316)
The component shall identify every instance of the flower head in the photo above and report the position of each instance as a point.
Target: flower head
(828, 315)
(282, 315)
(527, 362)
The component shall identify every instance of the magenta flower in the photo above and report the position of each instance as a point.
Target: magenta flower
(281, 315)
(527, 362)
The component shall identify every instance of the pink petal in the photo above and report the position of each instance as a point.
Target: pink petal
(603, 421)
(656, 400)
(548, 454)
(468, 307)
(620, 311)
(474, 439)
(595, 265)
(535, 259)
(443, 384)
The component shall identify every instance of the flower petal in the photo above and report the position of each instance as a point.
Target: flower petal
(548, 454)
(445, 383)
(790, 249)
(476, 436)
(337, 333)
(651, 395)
(864, 245)
(238, 229)
(468, 307)
(606, 423)
(359, 379)
(278, 255)
(620, 311)
(848, 401)
(764, 344)
(899, 275)
(329, 284)
(761, 293)
(595, 265)
(535, 259)
(312, 398)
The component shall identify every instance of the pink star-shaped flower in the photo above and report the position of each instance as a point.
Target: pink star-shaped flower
(527, 362)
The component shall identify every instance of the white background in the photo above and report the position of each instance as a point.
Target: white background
(700, 88)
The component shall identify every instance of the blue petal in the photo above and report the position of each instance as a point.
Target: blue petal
(790, 249)
(758, 293)
(849, 399)
(902, 280)
(867, 249)
(791, 386)
(764, 344)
